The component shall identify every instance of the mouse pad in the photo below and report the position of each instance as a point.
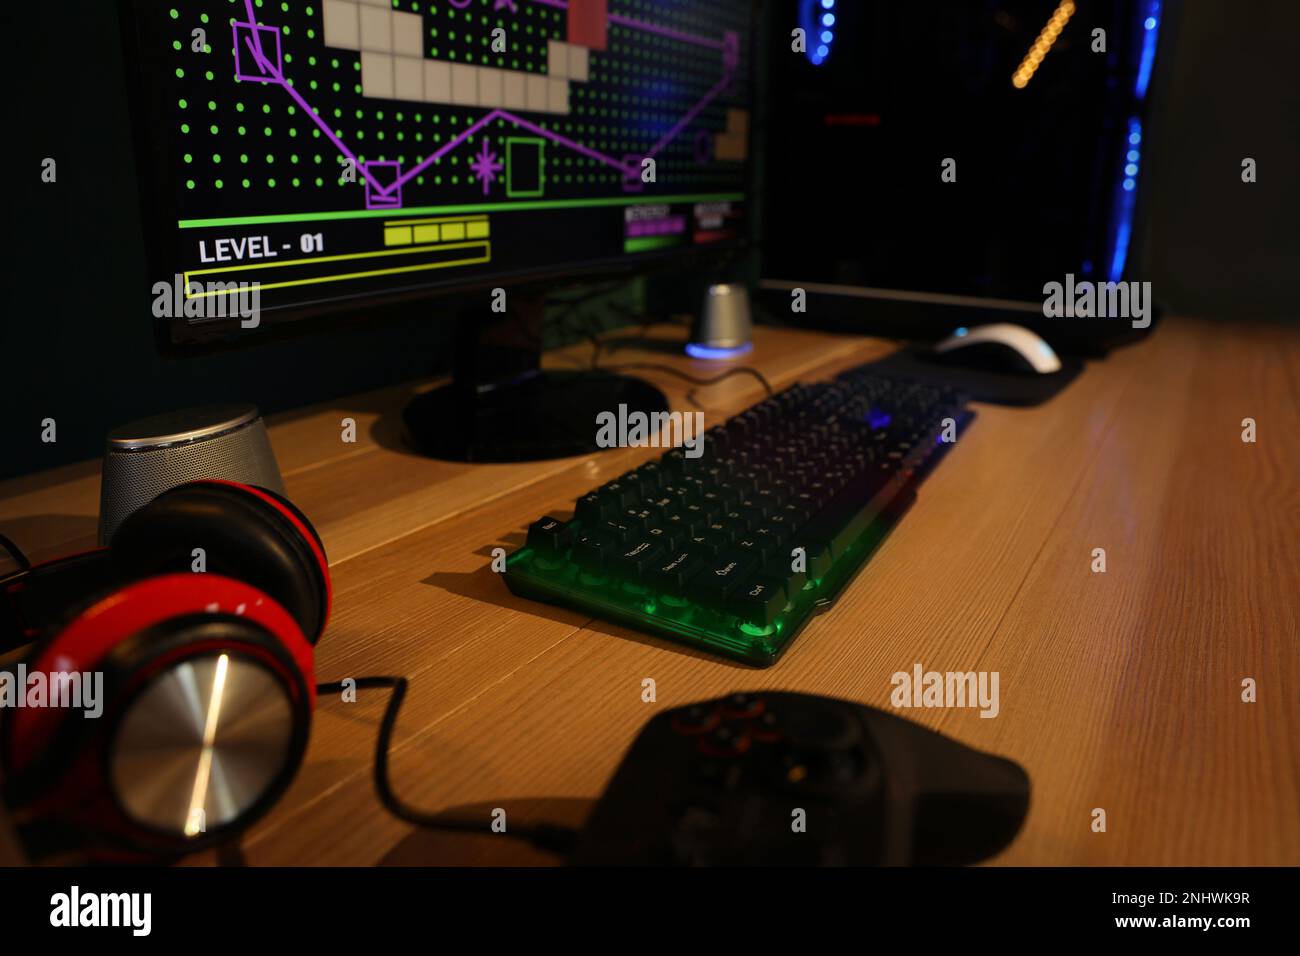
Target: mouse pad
(982, 384)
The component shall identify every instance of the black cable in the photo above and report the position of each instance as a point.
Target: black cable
(16, 553)
(694, 380)
(545, 836)
(598, 346)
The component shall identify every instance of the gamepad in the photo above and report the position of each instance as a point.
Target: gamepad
(784, 778)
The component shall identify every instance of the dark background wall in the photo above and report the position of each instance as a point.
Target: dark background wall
(76, 335)
(1228, 87)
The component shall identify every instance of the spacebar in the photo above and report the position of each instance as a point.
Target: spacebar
(843, 519)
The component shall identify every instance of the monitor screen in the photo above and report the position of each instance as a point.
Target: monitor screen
(965, 149)
(330, 154)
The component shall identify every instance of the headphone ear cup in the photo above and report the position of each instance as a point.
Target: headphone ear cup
(234, 530)
(160, 645)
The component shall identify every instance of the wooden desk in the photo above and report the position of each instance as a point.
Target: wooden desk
(1119, 690)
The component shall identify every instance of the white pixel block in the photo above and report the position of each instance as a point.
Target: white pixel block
(377, 74)
(557, 95)
(377, 29)
(342, 24)
(491, 87)
(535, 92)
(408, 34)
(515, 97)
(579, 63)
(464, 84)
(408, 78)
(557, 58)
(437, 81)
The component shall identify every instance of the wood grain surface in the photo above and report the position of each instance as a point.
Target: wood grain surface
(1120, 690)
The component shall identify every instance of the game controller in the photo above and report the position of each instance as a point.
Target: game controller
(784, 778)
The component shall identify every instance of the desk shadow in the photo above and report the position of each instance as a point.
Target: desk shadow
(642, 343)
(388, 432)
(427, 847)
(483, 584)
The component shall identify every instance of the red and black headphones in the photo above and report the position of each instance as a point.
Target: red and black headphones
(201, 616)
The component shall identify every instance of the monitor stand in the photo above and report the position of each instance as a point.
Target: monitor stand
(502, 407)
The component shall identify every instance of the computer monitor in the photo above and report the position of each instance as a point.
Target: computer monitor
(307, 160)
(960, 155)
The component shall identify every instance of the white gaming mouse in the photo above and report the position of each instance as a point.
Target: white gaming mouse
(1001, 343)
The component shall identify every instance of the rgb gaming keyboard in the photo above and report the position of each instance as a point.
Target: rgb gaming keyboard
(733, 551)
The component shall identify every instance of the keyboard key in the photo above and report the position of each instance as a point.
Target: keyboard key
(636, 556)
(592, 509)
(758, 601)
(720, 577)
(636, 517)
(550, 535)
(665, 537)
(617, 530)
(617, 494)
(703, 545)
(676, 570)
(592, 551)
(650, 477)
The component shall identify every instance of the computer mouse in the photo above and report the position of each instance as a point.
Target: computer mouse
(782, 778)
(1000, 345)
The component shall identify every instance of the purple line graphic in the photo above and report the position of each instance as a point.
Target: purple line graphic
(445, 149)
(565, 141)
(378, 197)
(389, 195)
(264, 70)
(695, 111)
(252, 22)
(486, 166)
(315, 117)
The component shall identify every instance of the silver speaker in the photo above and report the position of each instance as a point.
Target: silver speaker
(724, 327)
(150, 456)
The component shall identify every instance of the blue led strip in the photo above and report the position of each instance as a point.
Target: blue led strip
(695, 350)
(1126, 192)
(1150, 30)
(817, 19)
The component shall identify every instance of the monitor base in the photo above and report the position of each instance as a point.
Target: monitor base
(543, 416)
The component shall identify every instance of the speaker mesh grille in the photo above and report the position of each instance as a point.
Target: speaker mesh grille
(132, 479)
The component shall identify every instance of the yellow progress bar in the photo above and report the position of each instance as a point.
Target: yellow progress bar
(485, 256)
(403, 232)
